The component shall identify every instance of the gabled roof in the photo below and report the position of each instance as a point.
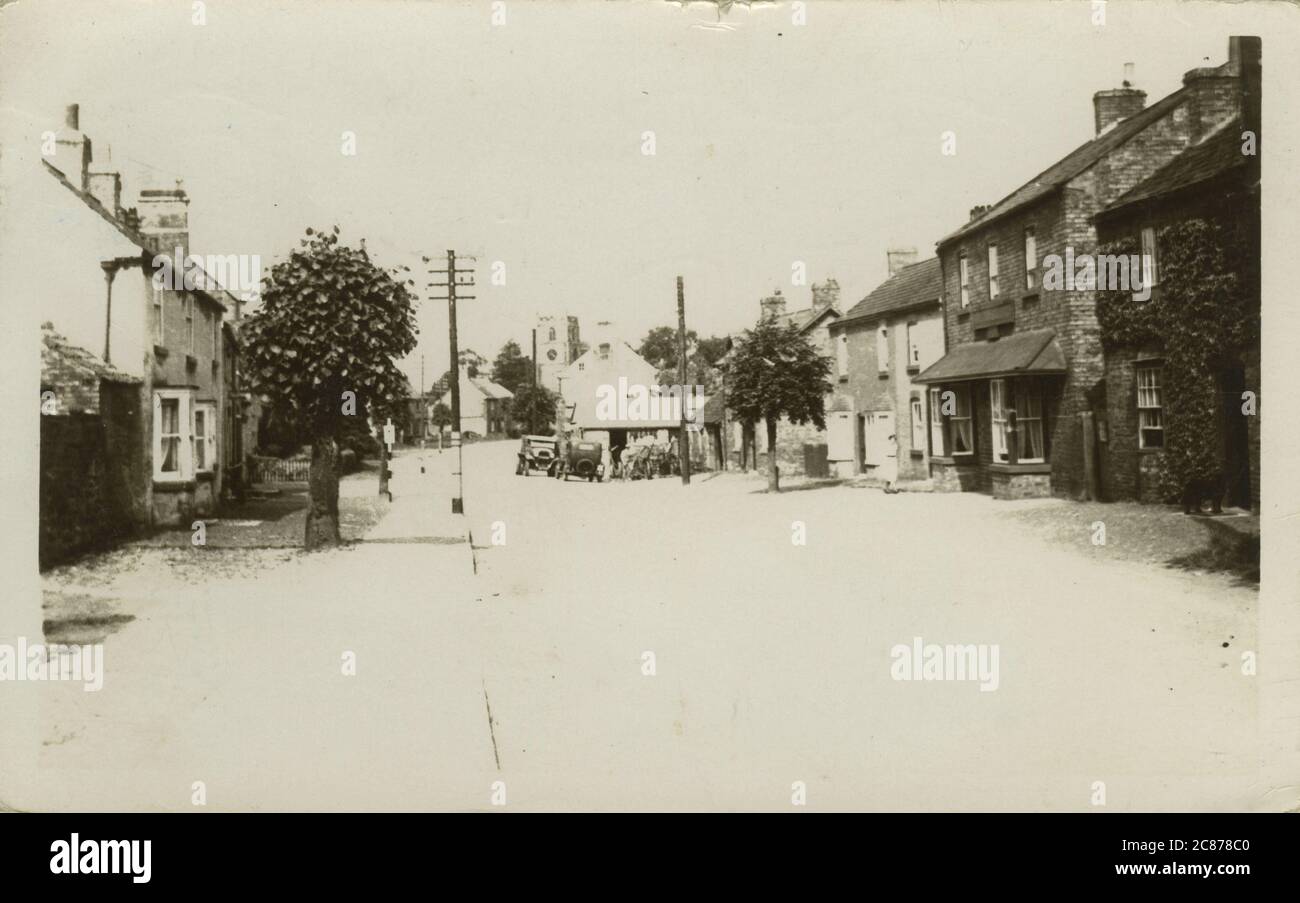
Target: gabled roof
(1072, 164)
(913, 285)
(1214, 155)
(147, 246)
(1034, 351)
(806, 319)
(73, 374)
(491, 389)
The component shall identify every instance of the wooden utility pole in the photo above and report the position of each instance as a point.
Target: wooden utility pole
(453, 283)
(532, 414)
(683, 437)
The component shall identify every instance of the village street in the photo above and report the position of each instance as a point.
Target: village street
(771, 660)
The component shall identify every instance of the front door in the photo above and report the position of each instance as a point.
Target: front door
(879, 444)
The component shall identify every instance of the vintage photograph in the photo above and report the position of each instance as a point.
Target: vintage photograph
(647, 406)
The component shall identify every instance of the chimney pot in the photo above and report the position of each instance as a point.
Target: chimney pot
(72, 116)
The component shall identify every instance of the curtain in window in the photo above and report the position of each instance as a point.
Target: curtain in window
(1029, 436)
(963, 434)
(170, 431)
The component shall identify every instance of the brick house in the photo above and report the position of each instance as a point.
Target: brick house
(1212, 180)
(1024, 357)
(879, 419)
(171, 340)
(801, 449)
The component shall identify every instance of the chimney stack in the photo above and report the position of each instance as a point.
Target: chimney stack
(1109, 107)
(105, 184)
(72, 149)
(905, 257)
(977, 211)
(164, 218)
(1214, 93)
(773, 305)
(826, 295)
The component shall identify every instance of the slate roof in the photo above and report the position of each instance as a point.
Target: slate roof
(73, 374)
(1073, 163)
(910, 286)
(138, 238)
(1217, 153)
(1029, 352)
(491, 389)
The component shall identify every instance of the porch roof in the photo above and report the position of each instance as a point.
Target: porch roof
(1034, 352)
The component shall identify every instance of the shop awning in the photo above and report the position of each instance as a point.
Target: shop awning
(1031, 353)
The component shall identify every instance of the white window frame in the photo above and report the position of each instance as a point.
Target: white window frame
(185, 423)
(1150, 257)
(160, 311)
(962, 398)
(918, 425)
(1150, 405)
(208, 410)
(993, 271)
(936, 423)
(913, 346)
(842, 355)
(998, 415)
(882, 349)
(963, 267)
(1031, 259)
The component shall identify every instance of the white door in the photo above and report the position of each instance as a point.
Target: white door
(880, 445)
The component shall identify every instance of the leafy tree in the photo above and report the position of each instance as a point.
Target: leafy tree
(775, 372)
(440, 416)
(659, 347)
(709, 351)
(331, 322)
(512, 368)
(533, 409)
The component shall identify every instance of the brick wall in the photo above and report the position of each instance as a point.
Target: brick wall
(92, 492)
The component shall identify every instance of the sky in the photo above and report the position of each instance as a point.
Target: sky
(522, 142)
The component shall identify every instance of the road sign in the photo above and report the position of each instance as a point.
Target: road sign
(390, 433)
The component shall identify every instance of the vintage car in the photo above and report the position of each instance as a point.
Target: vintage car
(583, 460)
(537, 453)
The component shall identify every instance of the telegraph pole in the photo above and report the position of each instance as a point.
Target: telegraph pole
(532, 416)
(453, 282)
(683, 439)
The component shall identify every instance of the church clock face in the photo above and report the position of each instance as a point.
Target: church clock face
(550, 355)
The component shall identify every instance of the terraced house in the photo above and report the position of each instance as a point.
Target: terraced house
(167, 446)
(880, 423)
(1018, 386)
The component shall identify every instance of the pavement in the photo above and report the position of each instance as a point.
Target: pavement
(649, 645)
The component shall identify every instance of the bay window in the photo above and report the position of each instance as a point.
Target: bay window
(961, 431)
(998, 413)
(936, 424)
(173, 428)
